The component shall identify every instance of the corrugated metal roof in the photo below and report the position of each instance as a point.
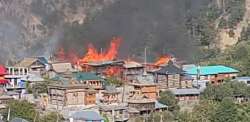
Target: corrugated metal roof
(210, 70)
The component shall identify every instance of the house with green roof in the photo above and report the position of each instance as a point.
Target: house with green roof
(215, 74)
(89, 79)
(84, 78)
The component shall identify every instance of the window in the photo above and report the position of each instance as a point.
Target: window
(248, 82)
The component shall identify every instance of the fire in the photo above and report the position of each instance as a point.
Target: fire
(71, 56)
(163, 60)
(93, 55)
(112, 71)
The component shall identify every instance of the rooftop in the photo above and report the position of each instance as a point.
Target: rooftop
(210, 70)
(171, 68)
(187, 91)
(87, 116)
(83, 76)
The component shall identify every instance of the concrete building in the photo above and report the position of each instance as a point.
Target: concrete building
(214, 74)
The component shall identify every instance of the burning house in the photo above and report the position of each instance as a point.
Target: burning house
(132, 70)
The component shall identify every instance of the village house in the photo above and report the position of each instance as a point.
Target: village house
(148, 90)
(171, 76)
(245, 80)
(60, 68)
(110, 96)
(105, 68)
(187, 95)
(86, 116)
(19, 76)
(140, 105)
(132, 70)
(115, 113)
(89, 79)
(215, 74)
(67, 93)
(36, 64)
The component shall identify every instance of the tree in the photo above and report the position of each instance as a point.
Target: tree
(168, 99)
(226, 112)
(51, 117)
(22, 109)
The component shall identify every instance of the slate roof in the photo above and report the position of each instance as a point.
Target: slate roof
(159, 105)
(187, 91)
(132, 64)
(87, 116)
(170, 69)
(210, 70)
(26, 62)
(83, 76)
(18, 120)
(62, 67)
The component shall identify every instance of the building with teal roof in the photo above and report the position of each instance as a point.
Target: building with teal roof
(210, 70)
(215, 74)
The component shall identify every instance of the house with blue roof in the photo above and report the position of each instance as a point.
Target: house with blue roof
(215, 74)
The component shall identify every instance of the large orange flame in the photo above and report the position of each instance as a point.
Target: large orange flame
(93, 55)
(163, 60)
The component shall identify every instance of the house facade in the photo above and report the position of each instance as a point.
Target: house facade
(214, 74)
(148, 90)
(71, 95)
(89, 79)
(16, 77)
(132, 70)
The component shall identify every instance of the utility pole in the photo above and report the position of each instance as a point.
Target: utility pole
(145, 61)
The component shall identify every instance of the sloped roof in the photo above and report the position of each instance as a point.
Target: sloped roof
(170, 69)
(26, 62)
(132, 64)
(186, 91)
(210, 70)
(18, 120)
(83, 76)
(62, 67)
(159, 105)
(87, 116)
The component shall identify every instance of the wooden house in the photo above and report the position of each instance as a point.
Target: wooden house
(110, 96)
(145, 89)
(36, 64)
(71, 94)
(186, 95)
(115, 113)
(132, 70)
(89, 79)
(169, 76)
